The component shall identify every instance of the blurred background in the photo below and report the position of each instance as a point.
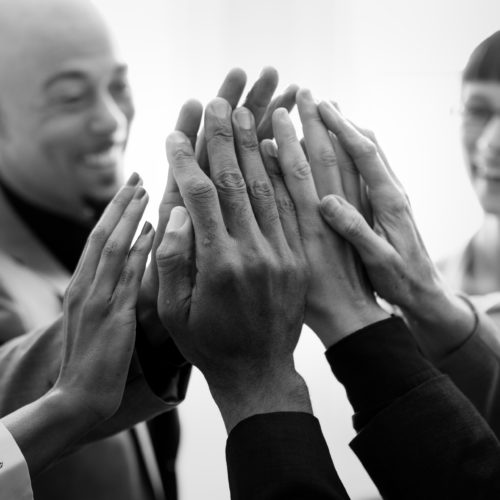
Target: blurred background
(392, 65)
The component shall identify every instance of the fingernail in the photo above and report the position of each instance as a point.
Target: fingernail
(220, 108)
(134, 179)
(178, 216)
(330, 205)
(146, 229)
(243, 118)
(270, 149)
(307, 94)
(281, 114)
(140, 193)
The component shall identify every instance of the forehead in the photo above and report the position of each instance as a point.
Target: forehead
(486, 92)
(53, 45)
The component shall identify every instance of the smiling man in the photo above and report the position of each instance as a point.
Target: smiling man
(65, 114)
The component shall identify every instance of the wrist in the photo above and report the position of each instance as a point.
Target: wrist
(277, 391)
(333, 324)
(443, 321)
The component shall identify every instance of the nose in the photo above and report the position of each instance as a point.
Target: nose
(107, 117)
(489, 141)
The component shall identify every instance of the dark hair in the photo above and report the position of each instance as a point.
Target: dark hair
(484, 62)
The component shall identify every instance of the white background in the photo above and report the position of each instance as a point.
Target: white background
(393, 66)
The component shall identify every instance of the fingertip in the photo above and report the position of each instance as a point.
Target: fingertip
(218, 107)
(178, 217)
(330, 206)
(304, 95)
(268, 148)
(269, 73)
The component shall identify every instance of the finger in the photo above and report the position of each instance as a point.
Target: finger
(188, 123)
(225, 171)
(351, 180)
(285, 100)
(261, 93)
(197, 190)
(259, 187)
(231, 90)
(362, 150)
(175, 260)
(296, 170)
(129, 284)
(87, 265)
(368, 133)
(322, 157)
(116, 248)
(352, 226)
(283, 200)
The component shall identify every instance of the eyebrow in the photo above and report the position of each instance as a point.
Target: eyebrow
(121, 70)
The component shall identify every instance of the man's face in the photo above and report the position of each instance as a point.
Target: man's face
(65, 115)
(481, 140)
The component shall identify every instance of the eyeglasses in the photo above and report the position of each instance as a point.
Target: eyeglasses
(478, 115)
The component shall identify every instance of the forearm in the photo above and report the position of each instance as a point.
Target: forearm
(45, 429)
(440, 321)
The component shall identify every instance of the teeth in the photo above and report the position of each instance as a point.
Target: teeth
(104, 157)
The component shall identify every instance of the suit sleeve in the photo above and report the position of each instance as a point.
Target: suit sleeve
(418, 435)
(474, 367)
(29, 366)
(281, 456)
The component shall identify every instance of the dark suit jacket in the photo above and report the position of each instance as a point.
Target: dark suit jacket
(418, 435)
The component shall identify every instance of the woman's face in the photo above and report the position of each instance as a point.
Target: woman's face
(481, 140)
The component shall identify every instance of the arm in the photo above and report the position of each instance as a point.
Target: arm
(418, 436)
(388, 381)
(232, 290)
(98, 336)
(461, 344)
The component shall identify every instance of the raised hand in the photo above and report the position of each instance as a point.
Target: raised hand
(99, 335)
(339, 299)
(261, 103)
(391, 248)
(232, 272)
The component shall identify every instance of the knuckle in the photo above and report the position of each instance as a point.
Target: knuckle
(260, 189)
(366, 148)
(248, 141)
(230, 181)
(220, 130)
(327, 157)
(301, 169)
(111, 248)
(200, 190)
(353, 226)
(98, 236)
(285, 206)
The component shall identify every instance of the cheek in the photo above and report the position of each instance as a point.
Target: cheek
(470, 137)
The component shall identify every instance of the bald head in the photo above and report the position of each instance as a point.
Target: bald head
(65, 105)
(35, 29)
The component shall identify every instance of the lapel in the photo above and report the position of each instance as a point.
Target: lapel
(17, 240)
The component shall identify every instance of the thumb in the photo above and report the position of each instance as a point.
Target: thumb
(174, 259)
(342, 217)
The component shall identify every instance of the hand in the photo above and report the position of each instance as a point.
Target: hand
(99, 336)
(233, 281)
(392, 251)
(99, 307)
(339, 300)
(261, 103)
